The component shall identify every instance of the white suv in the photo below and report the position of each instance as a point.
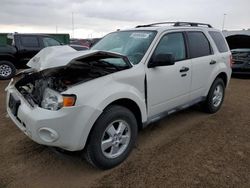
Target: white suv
(96, 100)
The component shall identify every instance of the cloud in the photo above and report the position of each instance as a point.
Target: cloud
(102, 16)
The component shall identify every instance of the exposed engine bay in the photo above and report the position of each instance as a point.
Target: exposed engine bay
(33, 85)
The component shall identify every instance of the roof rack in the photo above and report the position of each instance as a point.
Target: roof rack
(176, 24)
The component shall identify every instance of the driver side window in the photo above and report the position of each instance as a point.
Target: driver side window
(172, 43)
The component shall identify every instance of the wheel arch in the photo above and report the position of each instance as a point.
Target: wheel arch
(132, 106)
(9, 58)
(223, 76)
(128, 103)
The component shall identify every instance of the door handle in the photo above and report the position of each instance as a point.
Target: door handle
(212, 62)
(184, 69)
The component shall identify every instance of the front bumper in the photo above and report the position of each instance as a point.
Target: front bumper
(67, 128)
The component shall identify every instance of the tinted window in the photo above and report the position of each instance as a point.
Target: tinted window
(198, 44)
(174, 44)
(219, 40)
(47, 41)
(29, 41)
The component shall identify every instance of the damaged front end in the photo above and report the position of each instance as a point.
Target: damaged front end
(44, 87)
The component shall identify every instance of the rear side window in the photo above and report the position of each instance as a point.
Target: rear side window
(219, 41)
(29, 41)
(174, 44)
(199, 45)
(47, 41)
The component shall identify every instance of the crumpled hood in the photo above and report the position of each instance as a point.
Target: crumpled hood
(57, 56)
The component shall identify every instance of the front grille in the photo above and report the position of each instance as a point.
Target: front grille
(14, 104)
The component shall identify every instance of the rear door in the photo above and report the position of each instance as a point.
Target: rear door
(28, 47)
(169, 86)
(203, 62)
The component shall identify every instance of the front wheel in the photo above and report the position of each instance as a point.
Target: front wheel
(112, 138)
(215, 96)
(7, 70)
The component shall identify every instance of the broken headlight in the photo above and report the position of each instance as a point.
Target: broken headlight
(52, 100)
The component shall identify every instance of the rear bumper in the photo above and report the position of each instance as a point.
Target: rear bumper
(237, 72)
(241, 68)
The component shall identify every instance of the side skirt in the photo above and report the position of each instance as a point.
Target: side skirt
(176, 109)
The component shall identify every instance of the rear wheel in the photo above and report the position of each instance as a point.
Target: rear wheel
(112, 138)
(7, 70)
(215, 96)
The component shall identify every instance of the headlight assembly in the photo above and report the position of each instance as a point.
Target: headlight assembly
(53, 100)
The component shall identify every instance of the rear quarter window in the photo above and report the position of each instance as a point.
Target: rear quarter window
(219, 41)
(47, 41)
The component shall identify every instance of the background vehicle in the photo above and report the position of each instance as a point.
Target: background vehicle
(84, 42)
(127, 80)
(241, 58)
(78, 47)
(20, 49)
(239, 44)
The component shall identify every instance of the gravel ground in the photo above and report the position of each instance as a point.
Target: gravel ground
(186, 149)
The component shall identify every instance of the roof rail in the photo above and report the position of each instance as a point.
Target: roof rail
(176, 24)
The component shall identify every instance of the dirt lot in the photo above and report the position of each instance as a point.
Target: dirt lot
(187, 149)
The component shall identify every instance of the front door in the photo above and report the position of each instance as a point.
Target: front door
(169, 86)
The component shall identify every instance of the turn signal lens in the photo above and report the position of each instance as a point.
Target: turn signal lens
(69, 100)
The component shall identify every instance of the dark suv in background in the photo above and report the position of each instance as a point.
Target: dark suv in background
(22, 48)
(241, 58)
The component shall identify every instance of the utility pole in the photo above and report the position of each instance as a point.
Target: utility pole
(56, 29)
(73, 29)
(224, 20)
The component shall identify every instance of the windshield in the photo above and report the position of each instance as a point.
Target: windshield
(132, 44)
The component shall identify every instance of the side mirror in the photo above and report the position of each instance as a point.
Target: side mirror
(161, 60)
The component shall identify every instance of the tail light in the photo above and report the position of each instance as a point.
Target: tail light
(231, 60)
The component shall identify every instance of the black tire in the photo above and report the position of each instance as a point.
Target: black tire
(209, 105)
(93, 151)
(7, 70)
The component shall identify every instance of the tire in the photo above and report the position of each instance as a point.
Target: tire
(116, 117)
(213, 104)
(7, 70)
